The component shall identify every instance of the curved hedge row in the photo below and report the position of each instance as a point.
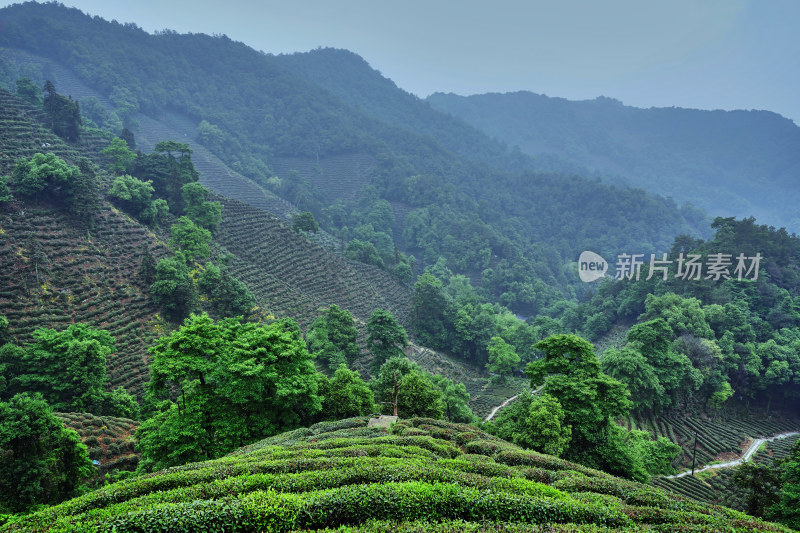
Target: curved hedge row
(319, 479)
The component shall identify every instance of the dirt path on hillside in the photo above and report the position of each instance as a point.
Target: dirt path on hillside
(743, 459)
(506, 402)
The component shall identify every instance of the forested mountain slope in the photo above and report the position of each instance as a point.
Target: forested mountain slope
(150, 130)
(265, 120)
(729, 163)
(424, 475)
(56, 271)
(349, 76)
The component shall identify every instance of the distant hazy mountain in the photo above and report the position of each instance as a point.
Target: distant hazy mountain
(727, 162)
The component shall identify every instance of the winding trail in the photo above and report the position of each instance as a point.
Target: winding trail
(506, 402)
(743, 459)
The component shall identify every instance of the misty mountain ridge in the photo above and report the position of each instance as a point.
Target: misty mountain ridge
(729, 163)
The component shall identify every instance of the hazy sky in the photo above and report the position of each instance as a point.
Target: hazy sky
(728, 54)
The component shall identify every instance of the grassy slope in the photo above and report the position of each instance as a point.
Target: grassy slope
(425, 476)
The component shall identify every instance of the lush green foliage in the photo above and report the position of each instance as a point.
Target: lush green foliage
(236, 382)
(454, 317)
(455, 400)
(332, 338)
(428, 476)
(63, 114)
(418, 393)
(502, 357)
(190, 239)
(787, 509)
(29, 91)
(226, 295)
(41, 461)
(170, 168)
(172, 289)
(202, 212)
(591, 400)
(345, 395)
(512, 230)
(705, 341)
(385, 337)
(120, 154)
(543, 429)
(68, 368)
(304, 222)
(43, 172)
(135, 197)
(5, 190)
(673, 147)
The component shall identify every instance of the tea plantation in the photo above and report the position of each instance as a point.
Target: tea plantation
(421, 475)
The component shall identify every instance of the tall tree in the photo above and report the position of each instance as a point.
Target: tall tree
(570, 372)
(192, 240)
(761, 484)
(173, 289)
(44, 172)
(85, 197)
(385, 337)
(41, 461)
(630, 367)
(544, 428)
(503, 359)
(787, 510)
(119, 154)
(236, 382)
(29, 91)
(346, 395)
(455, 400)
(417, 395)
(226, 295)
(68, 367)
(64, 115)
(197, 207)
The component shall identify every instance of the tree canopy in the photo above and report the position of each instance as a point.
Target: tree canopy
(236, 382)
(41, 461)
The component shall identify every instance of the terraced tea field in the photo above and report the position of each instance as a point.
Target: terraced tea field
(338, 177)
(292, 276)
(108, 439)
(420, 475)
(53, 273)
(716, 486)
(22, 134)
(716, 437)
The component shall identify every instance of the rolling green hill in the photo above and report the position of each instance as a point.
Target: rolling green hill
(330, 135)
(423, 475)
(729, 163)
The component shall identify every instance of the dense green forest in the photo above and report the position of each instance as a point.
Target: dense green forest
(729, 163)
(419, 197)
(173, 359)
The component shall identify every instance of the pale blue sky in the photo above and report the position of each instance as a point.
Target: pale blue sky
(727, 54)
